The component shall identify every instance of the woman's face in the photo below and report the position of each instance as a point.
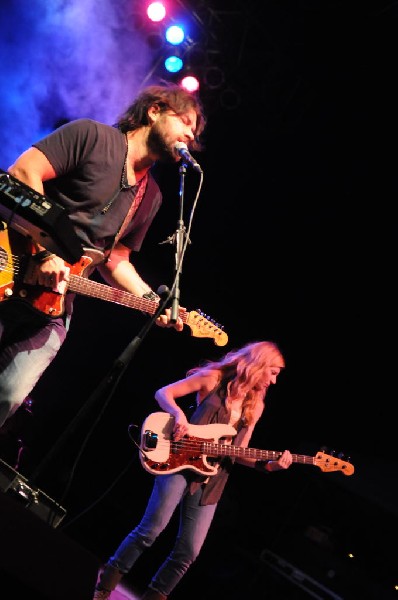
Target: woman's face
(270, 375)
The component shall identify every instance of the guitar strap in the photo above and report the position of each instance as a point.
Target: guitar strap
(131, 211)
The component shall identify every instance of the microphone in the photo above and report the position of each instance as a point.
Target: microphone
(183, 151)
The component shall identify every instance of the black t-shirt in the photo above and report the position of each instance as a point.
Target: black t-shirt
(89, 158)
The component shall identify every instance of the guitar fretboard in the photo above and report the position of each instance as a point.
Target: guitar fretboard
(87, 287)
(230, 450)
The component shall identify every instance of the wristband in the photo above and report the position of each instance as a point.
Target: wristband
(42, 256)
(151, 295)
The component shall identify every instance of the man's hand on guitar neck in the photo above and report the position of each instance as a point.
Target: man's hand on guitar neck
(119, 271)
(164, 320)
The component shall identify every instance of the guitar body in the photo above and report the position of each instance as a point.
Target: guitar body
(159, 456)
(15, 264)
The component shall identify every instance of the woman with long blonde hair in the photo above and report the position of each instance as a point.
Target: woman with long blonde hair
(229, 392)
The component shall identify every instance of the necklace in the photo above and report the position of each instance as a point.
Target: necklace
(123, 180)
(124, 185)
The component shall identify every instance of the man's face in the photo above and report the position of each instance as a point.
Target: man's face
(169, 128)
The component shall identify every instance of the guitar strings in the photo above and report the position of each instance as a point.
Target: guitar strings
(188, 444)
(11, 265)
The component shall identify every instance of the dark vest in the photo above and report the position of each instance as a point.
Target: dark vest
(212, 410)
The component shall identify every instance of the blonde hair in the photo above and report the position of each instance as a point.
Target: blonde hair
(243, 370)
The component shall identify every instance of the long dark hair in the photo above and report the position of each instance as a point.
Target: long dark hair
(167, 97)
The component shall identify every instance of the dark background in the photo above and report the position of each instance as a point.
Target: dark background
(293, 239)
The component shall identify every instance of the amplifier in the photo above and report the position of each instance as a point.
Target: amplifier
(34, 499)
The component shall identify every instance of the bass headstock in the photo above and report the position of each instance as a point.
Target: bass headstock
(330, 462)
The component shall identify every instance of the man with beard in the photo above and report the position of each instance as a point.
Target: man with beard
(102, 175)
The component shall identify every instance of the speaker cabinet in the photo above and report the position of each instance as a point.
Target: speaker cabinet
(37, 559)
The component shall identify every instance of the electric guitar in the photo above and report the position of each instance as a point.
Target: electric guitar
(15, 264)
(160, 455)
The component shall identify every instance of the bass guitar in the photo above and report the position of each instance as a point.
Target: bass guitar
(160, 455)
(15, 263)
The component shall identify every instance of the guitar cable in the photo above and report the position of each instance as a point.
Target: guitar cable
(133, 440)
(118, 478)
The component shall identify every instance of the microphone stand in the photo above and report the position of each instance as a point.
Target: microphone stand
(110, 382)
(112, 378)
(179, 239)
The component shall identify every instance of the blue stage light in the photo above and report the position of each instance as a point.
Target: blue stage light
(175, 35)
(173, 64)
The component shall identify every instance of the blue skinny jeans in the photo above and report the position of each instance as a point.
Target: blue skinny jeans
(168, 492)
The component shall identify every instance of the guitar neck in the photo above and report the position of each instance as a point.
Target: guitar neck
(239, 452)
(87, 287)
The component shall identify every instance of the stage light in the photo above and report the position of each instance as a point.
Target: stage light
(190, 83)
(175, 35)
(173, 64)
(182, 53)
(156, 11)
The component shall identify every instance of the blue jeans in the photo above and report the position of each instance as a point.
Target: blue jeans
(195, 520)
(25, 352)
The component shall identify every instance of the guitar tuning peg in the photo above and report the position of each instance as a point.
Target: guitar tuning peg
(332, 452)
(324, 449)
(210, 319)
(340, 455)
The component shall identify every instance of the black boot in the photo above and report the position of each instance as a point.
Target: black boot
(109, 578)
(151, 594)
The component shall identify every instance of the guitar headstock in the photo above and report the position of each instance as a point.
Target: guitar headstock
(328, 463)
(203, 326)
